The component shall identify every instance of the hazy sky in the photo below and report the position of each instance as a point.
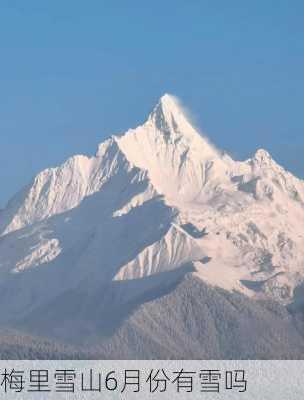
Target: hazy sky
(73, 72)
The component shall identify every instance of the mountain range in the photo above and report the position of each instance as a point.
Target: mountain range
(158, 246)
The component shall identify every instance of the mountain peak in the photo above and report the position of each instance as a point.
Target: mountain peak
(262, 154)
(169, 102)
(169, 116)
(263, 158)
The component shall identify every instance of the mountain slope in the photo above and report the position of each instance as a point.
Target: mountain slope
(182, 318)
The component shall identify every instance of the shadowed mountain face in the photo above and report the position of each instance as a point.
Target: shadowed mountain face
(158, 246)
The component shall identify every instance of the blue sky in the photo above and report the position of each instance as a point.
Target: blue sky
(73, 72)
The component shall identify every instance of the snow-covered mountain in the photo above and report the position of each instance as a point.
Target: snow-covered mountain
(154, 205)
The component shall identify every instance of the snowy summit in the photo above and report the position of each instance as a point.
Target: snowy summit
(154, 200)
